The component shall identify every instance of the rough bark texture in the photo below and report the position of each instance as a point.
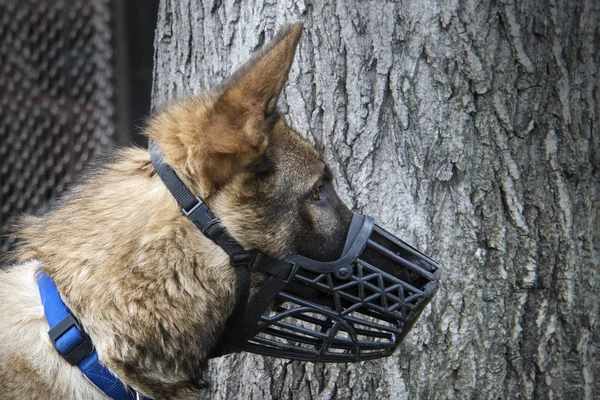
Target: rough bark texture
(470, 128)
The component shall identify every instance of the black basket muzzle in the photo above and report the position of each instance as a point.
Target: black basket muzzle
(359, 307)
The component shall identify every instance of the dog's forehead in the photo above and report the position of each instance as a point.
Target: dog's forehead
(297, 159)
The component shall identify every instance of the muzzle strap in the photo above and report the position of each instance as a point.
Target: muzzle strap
(199, 213)
(270, 265)
(186, 199)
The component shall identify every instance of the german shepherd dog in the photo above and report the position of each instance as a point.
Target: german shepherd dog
(150, 290)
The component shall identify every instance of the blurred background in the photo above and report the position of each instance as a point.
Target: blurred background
(75, 80)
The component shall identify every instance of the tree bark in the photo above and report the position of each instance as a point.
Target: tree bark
(468, 128)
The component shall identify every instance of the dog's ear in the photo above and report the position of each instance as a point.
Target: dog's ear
(244, 110)
(210, 139)
(256, 85)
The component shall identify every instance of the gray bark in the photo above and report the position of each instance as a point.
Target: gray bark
(468, 128)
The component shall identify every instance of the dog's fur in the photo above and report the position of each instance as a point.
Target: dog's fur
(149, 288)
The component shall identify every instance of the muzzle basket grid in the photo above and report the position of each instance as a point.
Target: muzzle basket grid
(322, 317)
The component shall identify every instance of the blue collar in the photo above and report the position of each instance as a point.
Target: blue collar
(74, 345)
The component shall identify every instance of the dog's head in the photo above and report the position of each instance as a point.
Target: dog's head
(270, 187)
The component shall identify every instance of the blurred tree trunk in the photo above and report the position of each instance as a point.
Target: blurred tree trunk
(469, 128)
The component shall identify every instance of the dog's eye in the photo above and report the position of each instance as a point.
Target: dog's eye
(316, 193)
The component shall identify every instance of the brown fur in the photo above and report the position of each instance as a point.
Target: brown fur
(149, 288)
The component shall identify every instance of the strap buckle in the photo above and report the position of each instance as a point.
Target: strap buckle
(200, 215)
(243, 258)
(81, 350)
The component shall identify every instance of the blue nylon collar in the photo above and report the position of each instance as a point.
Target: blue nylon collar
(56, 312)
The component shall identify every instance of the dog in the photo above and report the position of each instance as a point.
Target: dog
(151, 291)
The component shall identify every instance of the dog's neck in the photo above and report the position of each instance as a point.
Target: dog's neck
(123, 256)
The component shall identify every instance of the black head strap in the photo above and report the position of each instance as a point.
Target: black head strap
(199, 213)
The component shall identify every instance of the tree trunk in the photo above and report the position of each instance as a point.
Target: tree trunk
(469, 128)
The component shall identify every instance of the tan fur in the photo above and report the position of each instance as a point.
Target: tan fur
(151, 291)
(127, 261)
